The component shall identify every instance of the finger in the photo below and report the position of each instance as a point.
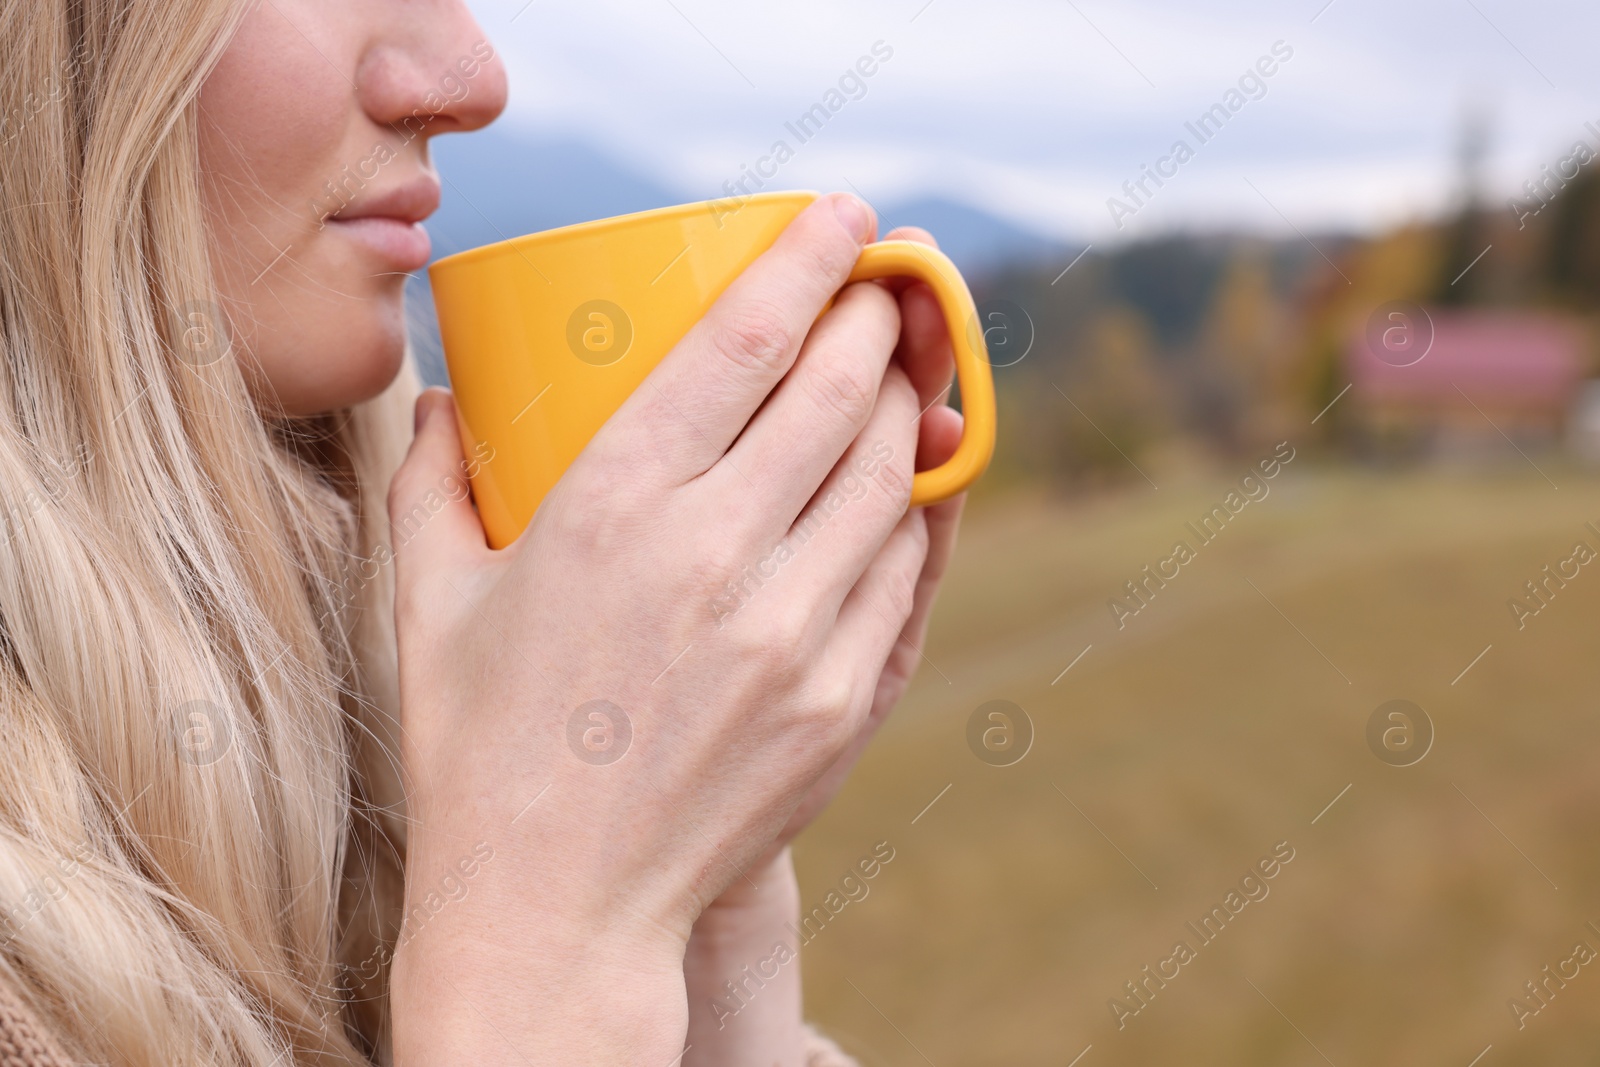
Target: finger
(698, 399)
(941, 433)
(912, 233)
(925, 350)
(873, 617)
(870, 685)
(824, 401)
(943, 521)
(940, 436)
(432, 522)
(845, 524)
(858, 621)
(907, 233)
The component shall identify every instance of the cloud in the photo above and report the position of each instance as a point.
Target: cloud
(1039, 110)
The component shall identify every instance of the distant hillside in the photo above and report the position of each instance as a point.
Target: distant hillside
(500, 183)
(978, 242)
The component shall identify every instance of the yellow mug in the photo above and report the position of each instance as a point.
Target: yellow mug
(545, 336)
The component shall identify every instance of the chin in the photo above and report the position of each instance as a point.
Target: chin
(351, 361)
(365, 378)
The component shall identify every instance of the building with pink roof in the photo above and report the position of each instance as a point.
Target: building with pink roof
(1454, 377)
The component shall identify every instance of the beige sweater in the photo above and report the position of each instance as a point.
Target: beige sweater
(24, 1043)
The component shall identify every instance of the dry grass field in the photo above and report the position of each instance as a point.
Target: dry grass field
(1221, 720)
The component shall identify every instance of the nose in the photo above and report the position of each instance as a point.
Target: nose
(432, 70)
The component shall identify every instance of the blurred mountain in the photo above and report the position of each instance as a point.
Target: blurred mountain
(978, 242)
(500, 183)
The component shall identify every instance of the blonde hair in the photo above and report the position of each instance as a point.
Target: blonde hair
(200, 817)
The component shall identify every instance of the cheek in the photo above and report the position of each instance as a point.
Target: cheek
(277, 122)
(274, 116)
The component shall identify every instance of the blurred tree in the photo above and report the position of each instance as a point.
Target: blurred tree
(1571, 268)
(1170, 280)
(1332, 314)
(1107, 406)
(1244, 378)
(1466, 237)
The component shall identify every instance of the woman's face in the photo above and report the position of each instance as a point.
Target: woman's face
(314, 148)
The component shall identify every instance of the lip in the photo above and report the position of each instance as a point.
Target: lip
(389, 224)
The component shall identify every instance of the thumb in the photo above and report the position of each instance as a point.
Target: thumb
(432, 522)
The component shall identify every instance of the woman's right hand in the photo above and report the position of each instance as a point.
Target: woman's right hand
(569, 942)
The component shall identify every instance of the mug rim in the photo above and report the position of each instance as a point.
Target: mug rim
(575, 229)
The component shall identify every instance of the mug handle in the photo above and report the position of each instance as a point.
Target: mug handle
(911, 259)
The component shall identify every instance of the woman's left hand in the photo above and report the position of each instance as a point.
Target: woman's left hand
(925, 354)
(740, 927)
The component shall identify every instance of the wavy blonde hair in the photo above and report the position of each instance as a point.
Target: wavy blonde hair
(200, 823)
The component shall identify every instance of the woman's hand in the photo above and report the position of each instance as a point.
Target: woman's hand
(741, 927)
(926, 355)
(602, 707)
(744, 939)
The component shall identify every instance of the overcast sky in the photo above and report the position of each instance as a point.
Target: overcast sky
(1040, 110)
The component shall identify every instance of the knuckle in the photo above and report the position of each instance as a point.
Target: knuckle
(896, 477)
(718, 558)
(900, 591)
(826, 710)
(780, 644)
(845, 389)
(595, 493)
(897, 384)
(825, 257)
(873, 304)
(754, 335)
(714, 572)
(596, 511)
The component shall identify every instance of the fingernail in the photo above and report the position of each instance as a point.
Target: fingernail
(853, 213)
